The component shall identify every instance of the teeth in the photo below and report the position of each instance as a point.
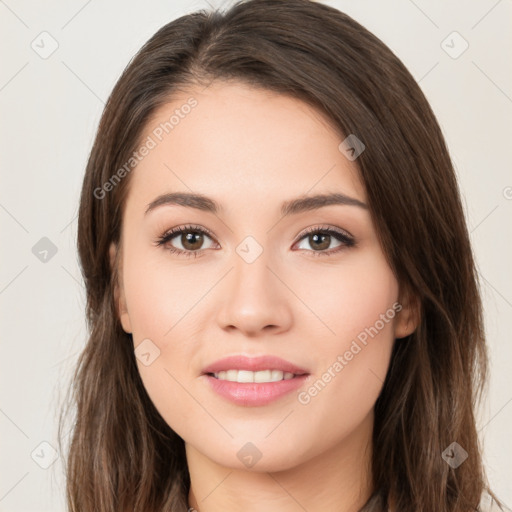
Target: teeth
(248, 376)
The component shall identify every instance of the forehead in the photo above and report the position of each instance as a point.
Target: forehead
(241, 143)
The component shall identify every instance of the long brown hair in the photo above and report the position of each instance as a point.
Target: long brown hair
(122, 454)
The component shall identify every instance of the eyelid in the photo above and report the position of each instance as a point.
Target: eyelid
(324, 228)
(185, 228)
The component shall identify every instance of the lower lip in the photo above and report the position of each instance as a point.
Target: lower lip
(252, 394)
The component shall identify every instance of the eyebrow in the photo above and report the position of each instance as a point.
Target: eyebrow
(291, 207)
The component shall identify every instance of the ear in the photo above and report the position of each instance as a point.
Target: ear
(119, 297)
(409, 315)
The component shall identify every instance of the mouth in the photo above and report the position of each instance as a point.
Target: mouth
(247, 376)
(254, 394)
(265, 368)
(254, 381)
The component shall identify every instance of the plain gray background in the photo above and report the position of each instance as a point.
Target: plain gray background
(50, 109)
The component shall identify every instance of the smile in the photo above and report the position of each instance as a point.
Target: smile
(248, 376)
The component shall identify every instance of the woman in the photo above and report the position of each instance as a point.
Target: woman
(281, 292)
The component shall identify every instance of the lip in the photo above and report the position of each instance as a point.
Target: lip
(254, 364)
(253, 394)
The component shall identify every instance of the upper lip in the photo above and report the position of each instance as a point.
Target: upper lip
(254, 364)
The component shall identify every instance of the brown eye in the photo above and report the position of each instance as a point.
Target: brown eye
(320, 240)
(186, 240)
(191, 241)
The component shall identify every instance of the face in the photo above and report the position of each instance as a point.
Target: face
(259, 276)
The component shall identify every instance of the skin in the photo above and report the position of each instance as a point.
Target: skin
(250, 150)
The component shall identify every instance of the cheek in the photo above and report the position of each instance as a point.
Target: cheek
(159, 296)
(359, 307)
(351, 297)
(159, 304)
(160, 301)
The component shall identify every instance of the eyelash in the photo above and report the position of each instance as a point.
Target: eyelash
(347, 241)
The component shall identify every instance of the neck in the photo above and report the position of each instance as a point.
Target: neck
(337, 480)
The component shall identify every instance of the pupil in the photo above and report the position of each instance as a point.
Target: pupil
(323, 244)
(189, 240)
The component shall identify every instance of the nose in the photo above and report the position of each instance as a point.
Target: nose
(254, 299)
